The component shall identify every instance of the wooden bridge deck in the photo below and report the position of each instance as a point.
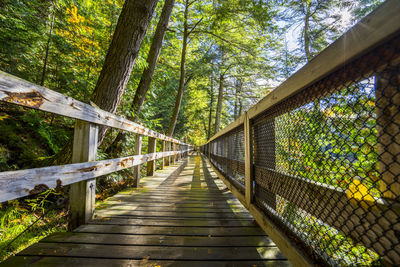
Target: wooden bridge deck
(182, 216)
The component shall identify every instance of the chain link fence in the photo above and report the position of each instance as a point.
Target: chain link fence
(227, 155)
(325, 162)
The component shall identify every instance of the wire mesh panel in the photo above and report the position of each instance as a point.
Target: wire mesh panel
(327, 162)
(235, 156)
(227, 155)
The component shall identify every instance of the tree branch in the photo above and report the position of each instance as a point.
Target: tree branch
(194, 27)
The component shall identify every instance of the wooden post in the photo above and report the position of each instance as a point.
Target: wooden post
(151, 165)
(388, 125)
(138, 151)
(163, 160)
(174, 156)
(82, 195)
(248, 164)
(167, 159)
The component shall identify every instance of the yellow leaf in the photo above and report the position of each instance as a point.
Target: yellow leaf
(4, 116)
(359, 194)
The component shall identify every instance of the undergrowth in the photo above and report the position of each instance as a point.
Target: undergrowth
(25, 222)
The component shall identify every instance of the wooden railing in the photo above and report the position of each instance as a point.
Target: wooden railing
(82, 173)
(290, 193)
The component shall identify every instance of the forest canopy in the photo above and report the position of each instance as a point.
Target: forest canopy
(236, 51)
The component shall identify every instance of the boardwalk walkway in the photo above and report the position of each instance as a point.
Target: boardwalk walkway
(182, 216)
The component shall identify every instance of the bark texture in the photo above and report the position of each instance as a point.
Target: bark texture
(219, 104)
(121, 56)
(148, 72)
(211, 92)
(181, 87)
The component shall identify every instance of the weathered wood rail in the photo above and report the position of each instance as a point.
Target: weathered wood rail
(367, 53)
(82, 173)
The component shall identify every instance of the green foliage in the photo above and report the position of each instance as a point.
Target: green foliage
(16, 217)
(41, 200)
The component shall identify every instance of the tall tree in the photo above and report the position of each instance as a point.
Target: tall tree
(220, 98)
(124, 48)
(179, 96)
(211, 104)
(148, 72)
(47, 48)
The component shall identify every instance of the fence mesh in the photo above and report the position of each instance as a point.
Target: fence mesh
(227, 154)
(326, 162)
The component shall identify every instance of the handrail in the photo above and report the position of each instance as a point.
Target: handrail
(364, 209)
(18, 91)
(80, 175)
(16, 184)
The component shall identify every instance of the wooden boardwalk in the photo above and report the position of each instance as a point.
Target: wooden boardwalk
(182, 216)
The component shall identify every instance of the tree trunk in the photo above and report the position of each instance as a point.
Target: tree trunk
(148, 72)
(124, 48)
(178, 101)
(219, 103)
(211, 92)
(155, 50)
(238, 89)
(46, 56)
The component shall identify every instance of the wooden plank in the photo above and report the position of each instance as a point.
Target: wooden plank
(157, 252)
(175, 197)
(174, 156)
(82, 195)
(174, 218)
(214, 205)
(163, 161)
(174, 209)
(18, 91)
(183, 201)
(137, 151)
(290, 250)
(15, 184)
(372, 223)
(135, 240)
(167, 159)
(39, 261)
(175, 214)
(206, 222)
(151, 166)
(248, 160)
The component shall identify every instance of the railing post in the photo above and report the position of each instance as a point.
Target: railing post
(151, 149)
(248, 164)
(82, 194)
(388, 121)
(163, 158)
(138, 151)
(168, 148)
(174, 156)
